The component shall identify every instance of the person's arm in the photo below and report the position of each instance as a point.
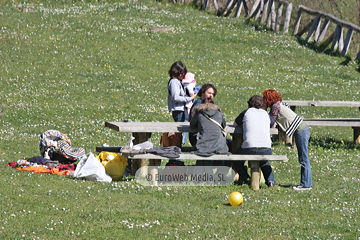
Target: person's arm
(190, 89)
(274, 110)
(272, 122)
(239, 120)
(223, 122)
(196, 103)
(194, 120)
(175, 90)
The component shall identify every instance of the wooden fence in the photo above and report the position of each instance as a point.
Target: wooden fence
(270, 12)
(264, 11)
(318, 31)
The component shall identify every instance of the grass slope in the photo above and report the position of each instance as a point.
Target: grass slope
(72, 65)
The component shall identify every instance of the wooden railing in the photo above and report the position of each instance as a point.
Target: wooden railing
(318, 31)
(264, 10)
(231, 5)
(270, 12)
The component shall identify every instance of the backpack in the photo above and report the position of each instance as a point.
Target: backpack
(171, 139)
(58, 147)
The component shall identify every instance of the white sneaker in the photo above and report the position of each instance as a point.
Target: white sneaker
(301, 188)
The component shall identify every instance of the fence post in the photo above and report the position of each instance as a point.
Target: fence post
(255, 8)
(264, 14)
(323, 31)
(227, 9)
(336, 39)
(314, 28)
(278, 17)
(287, 18)
(347, 42)
(297, 23)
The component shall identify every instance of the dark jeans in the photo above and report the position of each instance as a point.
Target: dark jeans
(265, 166)
(179, 116)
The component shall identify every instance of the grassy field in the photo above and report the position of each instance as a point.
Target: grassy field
(73, 65)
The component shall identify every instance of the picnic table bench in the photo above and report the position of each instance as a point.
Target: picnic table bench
(338, 122)
(142, 132)
(294, 103)
(334, 122)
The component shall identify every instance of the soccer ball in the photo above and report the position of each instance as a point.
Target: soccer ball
(235, 199)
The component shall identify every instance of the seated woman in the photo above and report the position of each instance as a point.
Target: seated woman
(207, 91)
(210, 122)
(256, 124)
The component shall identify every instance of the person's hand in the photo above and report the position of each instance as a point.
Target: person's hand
(194, 95)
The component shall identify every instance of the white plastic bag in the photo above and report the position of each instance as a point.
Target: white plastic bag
(128, 146)
(144, 145)
(91, 169)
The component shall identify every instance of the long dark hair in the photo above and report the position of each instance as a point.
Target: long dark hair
(205, 87)
(207, 100)
(178, 68)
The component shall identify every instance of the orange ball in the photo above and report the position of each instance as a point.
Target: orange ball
(235, 199)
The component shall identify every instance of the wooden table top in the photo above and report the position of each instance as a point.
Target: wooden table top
(149, 127)
(322, 103)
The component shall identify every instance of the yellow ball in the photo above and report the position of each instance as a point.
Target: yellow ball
(235, 199)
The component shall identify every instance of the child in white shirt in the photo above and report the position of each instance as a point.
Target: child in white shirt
(189, 84)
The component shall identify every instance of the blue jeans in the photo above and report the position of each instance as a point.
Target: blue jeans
(264, 165)
(302, 143)
(179, 116)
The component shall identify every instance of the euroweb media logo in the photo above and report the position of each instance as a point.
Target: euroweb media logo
(185, 175)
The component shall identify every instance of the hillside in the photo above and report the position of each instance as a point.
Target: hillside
(348, 11)
(72, 65)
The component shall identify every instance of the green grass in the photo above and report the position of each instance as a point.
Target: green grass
(73, 65)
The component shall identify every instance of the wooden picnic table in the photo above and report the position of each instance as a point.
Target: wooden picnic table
(334, 122)
(313, 103)
(142, 132)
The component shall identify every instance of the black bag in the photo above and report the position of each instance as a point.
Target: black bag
(175, 163)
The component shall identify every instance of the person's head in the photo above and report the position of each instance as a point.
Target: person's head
(189, 78)
(256, 101)
(178, 70)
(207, 91)
(271, 96)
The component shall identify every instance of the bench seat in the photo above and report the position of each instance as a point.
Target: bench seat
(254, 161)
(224, 157)
(354, 123)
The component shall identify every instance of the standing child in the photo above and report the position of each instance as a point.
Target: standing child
(189, 84)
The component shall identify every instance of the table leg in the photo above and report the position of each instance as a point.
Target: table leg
(136, 164)
(255, 175)
(154, 172)
(286, 139)
(237, 139)
(356, 134)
